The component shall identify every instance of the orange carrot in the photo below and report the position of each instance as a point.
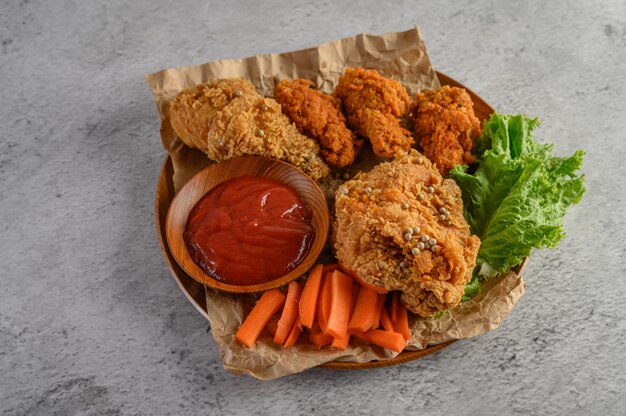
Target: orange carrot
(272, 325)
(290, 312)
(340, 299)
(395, 300)
(363, 315)
(294, 334)
(315, 329)
(402, 323)
(320, 339)
(380, 305)
(341, 343)
(387, 339)
(265, 308)
(323, 307)
(329, 268)
(361, 282)
(308, 300)
(385, 320)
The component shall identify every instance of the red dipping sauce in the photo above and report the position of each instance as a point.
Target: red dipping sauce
(249, 230)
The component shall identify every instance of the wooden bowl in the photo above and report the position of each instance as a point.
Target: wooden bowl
(208, 178)
(194, 290)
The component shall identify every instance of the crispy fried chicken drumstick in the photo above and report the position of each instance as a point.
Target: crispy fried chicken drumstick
(373, 104)
(319, 116)
(446, 126)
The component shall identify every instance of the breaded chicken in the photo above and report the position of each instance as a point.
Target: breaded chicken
(401, 226)
(319, 116)
(446, 126)
(373, 104)
(193, 109)
(229, 118)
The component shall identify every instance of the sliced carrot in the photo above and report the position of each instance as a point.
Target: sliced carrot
(385, 320)
(380, 305)
(340, 302)
(320, 339)
(402, 323)
(386, 339)
(308, 300)
(359, 335)
(354, 297)
(290, 312)
(364, 312)
(315, 329)
(272, 325)
(323, 307)
(393, 312)
(294, 334)
(329, 268)
(361, 282)
(341, 343)
(265, 308)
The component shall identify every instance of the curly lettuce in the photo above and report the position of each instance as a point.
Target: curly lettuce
(516, 198)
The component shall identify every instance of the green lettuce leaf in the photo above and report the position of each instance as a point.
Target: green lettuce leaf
(517, 196)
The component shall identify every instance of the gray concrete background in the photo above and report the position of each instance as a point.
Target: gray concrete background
(90, 320)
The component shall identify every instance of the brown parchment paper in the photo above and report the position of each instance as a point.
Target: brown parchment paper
(400, 55)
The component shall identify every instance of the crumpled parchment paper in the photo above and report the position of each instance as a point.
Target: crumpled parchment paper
(400, 55)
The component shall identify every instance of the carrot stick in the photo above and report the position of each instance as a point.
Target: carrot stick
(402, 323)
(380, 305)
(294, 334)
(290, 312)
(272, 325)
(361, 282)
(395, 300)
(329, 268)
(386, 339)
(308, 300)
(340, 299)
(363, 315)
(341, 343)
(323, 307)
(265, 308)
(320, 339)
(385, 320)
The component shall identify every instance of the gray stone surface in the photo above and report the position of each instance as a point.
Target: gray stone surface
(90, 320)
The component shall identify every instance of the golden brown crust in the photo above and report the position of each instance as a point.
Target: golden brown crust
(319, 116)
(192, 109)
(369, 233)
(373, 104)
(229, 118)
(446, 126)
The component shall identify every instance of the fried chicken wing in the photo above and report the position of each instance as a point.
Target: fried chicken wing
(446, 126)
(373, 104)
(319, 116)
(229, 118)
(401, 226)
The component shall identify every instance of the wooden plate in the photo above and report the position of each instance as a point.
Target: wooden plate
(194, 291)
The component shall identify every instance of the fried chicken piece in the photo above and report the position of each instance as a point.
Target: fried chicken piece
(373, 104)
(401, 226)
(192, 110)
(319, 116)
(229, 118)
(446, 126)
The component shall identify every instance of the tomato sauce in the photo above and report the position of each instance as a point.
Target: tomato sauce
(249, 230)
